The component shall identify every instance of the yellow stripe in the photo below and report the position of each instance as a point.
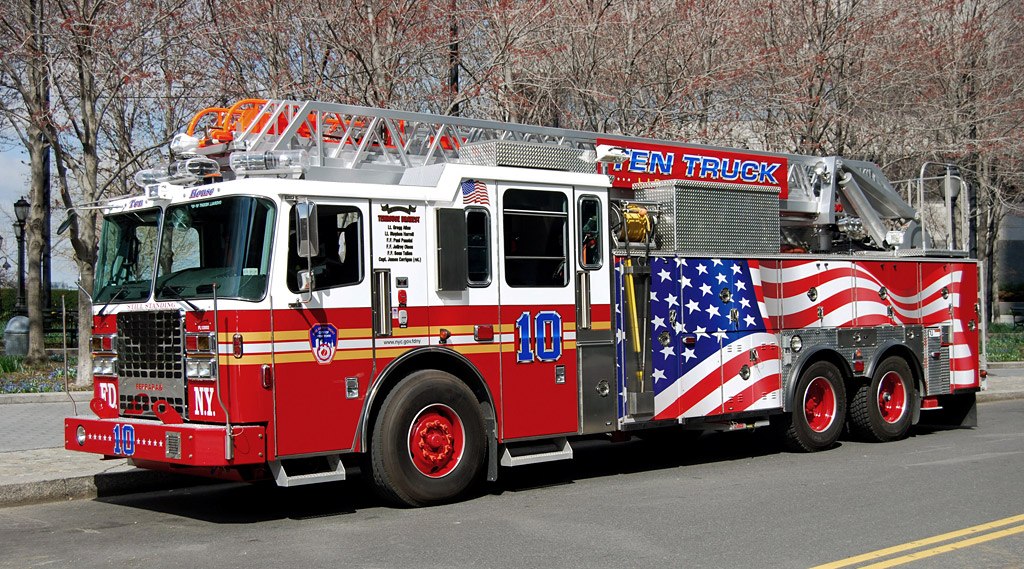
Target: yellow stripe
(436, 330)
(477, 348)
(601, 325)
(920, 543)
(411, 331)
(946, 548)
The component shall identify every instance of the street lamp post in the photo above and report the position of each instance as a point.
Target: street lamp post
(21, 214)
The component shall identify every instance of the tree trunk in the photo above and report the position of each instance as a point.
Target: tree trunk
(38, 154)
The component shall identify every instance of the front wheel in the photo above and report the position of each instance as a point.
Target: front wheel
(428, 441)
(880, 409)
(819, 409)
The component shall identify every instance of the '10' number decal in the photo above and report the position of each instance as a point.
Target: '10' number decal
(538, 338)
(124, 439)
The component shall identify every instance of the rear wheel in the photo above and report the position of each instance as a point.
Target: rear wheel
(428, 441)
(880, 410)
(819, 409)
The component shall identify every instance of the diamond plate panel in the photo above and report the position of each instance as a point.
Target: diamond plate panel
(936, 370)
(712, 217)
(525, 155)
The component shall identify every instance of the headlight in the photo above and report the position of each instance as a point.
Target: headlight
(80, 435)
(796, 343)
(200, 368)
(102, 365)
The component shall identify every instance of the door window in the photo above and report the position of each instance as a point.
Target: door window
(536, 238)
(478, 246)
(590, 232)
(339, 258)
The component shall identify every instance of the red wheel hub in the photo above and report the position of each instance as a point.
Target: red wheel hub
(892, 397)
(819, 404)
(436, 440)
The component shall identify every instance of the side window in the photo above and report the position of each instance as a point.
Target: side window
(478, 246)
(590, 232)
(536, 238)
(339, 258)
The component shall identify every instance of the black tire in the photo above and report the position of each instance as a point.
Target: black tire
(451, 443)
(819, 410)
(881, 409)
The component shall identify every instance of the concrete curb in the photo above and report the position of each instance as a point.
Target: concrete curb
(987, 396)
(96, 486)
(1004, 365)
(52, 397)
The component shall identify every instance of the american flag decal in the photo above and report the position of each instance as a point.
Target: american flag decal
(716, 304)
(474, 192)
(711, 318)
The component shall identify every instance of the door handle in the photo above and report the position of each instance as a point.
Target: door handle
(583, 300)
(381, 302)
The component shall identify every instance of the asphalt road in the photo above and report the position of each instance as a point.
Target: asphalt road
(728, 500)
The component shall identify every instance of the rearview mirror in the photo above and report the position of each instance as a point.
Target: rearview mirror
(306, 234)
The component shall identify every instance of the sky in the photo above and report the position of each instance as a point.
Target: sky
(14, 176)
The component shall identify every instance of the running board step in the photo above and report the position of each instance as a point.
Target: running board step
(308, 470)
(557, 449)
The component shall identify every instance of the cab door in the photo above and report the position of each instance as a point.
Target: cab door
(539, 380)
(322, 341)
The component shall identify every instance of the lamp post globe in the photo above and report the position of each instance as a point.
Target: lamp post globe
(21, 214)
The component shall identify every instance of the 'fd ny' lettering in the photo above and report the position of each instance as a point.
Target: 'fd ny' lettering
(203, 397)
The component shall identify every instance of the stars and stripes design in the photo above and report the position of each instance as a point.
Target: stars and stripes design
(474, 192)
(850, 294)
(706, 318)
(710, 318)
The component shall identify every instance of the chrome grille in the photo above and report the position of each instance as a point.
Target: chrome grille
(151, 364)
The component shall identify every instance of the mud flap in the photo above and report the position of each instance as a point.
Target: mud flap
(954, 411)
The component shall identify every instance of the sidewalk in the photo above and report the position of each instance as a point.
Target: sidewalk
(34, 467)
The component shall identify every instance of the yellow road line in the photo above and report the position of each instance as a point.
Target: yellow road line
(928, 541)
(917, 556)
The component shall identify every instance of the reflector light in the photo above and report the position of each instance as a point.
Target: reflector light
(104, 343)
(858, 366)
(199, 343)
(236, 345)
(292, 163)
(796, 343)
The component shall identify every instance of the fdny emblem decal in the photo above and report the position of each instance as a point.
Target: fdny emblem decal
(323, 340)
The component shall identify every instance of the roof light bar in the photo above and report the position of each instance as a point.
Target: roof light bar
(179, 173)
(292, 163)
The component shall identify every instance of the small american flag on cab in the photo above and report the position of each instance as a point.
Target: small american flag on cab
(474, 192)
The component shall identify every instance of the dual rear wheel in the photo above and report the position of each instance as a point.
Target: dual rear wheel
(879, 409)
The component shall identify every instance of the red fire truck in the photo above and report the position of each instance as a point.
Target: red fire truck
(310, 286)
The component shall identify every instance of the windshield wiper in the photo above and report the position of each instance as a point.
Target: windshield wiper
(121, 289)
(177, 295)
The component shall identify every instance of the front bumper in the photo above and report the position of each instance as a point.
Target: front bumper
(183, 444)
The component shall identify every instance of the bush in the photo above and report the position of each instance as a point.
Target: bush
(1011, 292)
(11, 364)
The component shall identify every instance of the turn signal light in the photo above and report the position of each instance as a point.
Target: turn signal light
(104, 343)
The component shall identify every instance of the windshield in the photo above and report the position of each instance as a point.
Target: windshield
(124, 269)
(225, 241)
